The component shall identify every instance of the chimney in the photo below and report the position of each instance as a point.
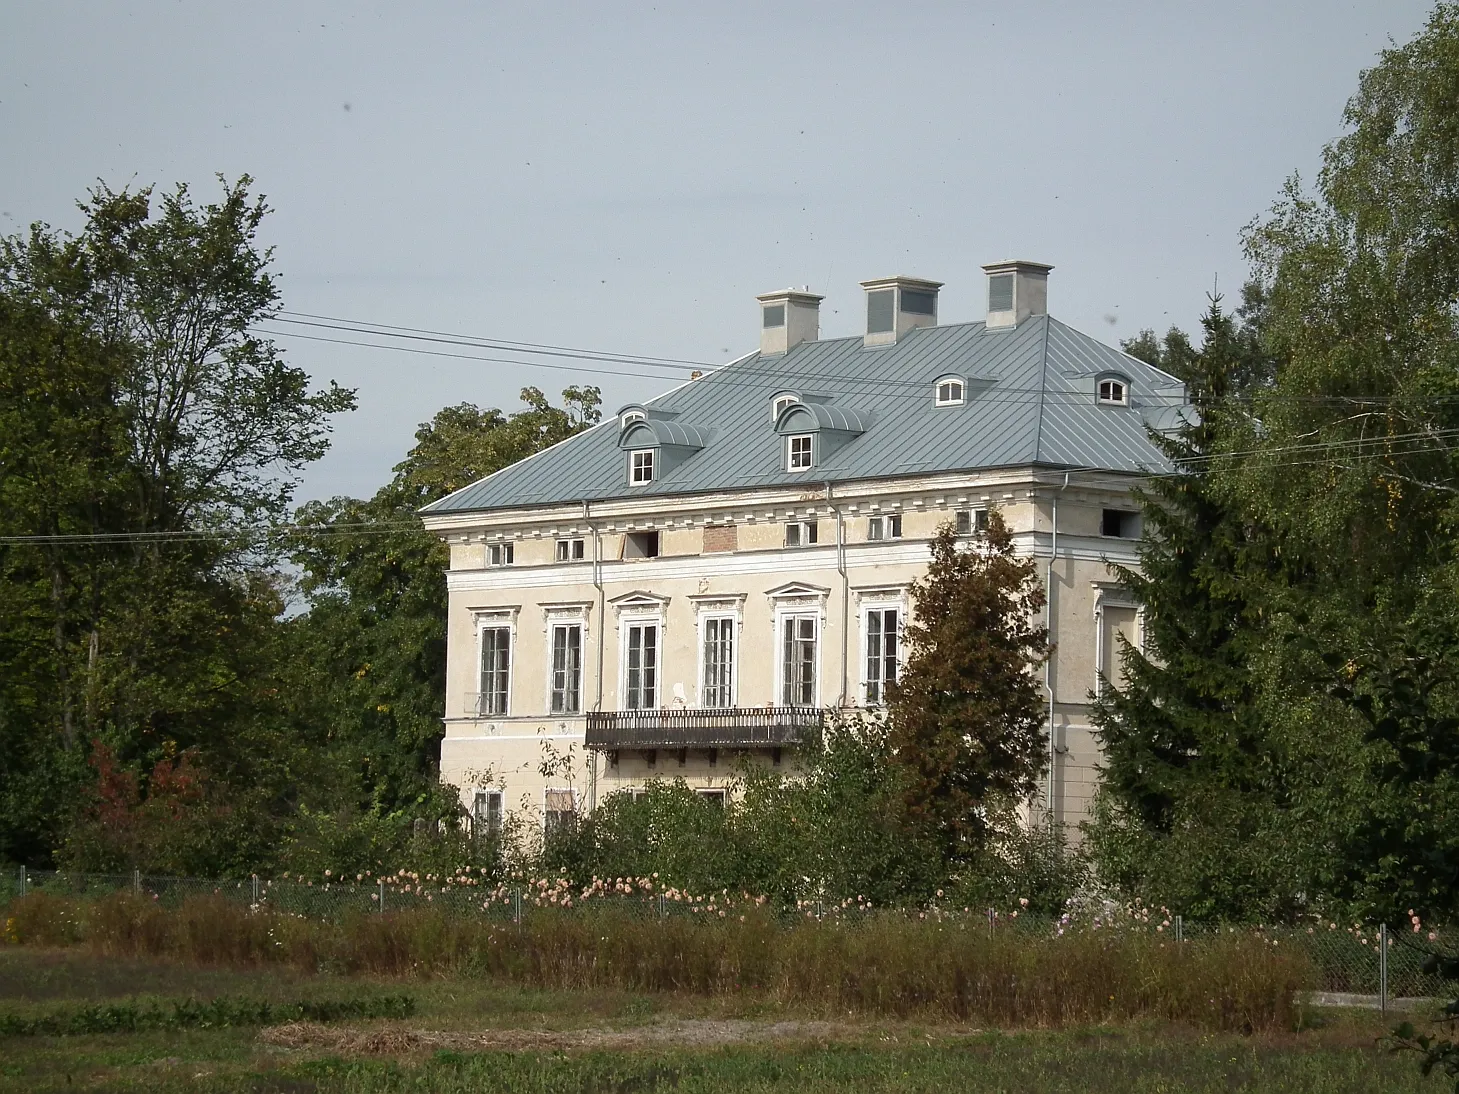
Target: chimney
(788, 318)
(895, 305)
(1016, 290)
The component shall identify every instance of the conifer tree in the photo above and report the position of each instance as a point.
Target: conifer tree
(967, 715)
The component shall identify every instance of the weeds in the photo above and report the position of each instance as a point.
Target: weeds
(191, 1014)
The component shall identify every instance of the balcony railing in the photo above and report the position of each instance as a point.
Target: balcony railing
(680, 727)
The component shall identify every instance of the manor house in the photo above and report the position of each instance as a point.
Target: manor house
(700, 578)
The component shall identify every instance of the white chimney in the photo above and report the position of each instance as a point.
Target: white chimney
(1016, 290)
(788, 318)
(895, 305)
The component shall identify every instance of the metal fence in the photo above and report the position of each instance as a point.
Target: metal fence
(1370, 965)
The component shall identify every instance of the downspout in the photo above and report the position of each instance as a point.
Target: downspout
(1049, 621)
(598, 688)
(845, 596)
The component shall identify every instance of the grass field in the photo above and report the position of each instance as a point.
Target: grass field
(477, 1034)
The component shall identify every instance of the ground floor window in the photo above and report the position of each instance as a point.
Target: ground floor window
(486, 812)
(560, 812)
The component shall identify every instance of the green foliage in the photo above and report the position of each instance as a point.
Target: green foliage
(966, 713)
(1172, 354)
(192, 1014)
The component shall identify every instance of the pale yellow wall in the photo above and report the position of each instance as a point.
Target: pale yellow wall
(513, 747)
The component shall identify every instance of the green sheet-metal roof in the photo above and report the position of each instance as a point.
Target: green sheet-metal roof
(1030, 400)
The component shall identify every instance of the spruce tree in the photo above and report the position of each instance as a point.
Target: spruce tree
(967, 715)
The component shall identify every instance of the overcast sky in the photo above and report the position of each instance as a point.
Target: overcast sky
(626, 177)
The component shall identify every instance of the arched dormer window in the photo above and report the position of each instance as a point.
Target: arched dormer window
(780, 401)
(629, 417)
(1114, 391)
(949, 391)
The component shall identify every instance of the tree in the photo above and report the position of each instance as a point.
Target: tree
(192, 433)
(1171, 354)
(967, 714)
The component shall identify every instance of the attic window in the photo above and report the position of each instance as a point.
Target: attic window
(631, 417)
(780, 403)
(798, 452)
(949, 391)
(1114, 393)
(772, 315)
(641, 466)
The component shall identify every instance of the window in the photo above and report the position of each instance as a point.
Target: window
(882, 642)
(799, 452)
(971, 520)
(880, 317)
(559, 813)
(641, 667)
(798, 661)
(949, 392)
(772, 315)
(496, 665)
(712, 797)
(570, 550)
(1113, 392)
(630, 417)
(1120, 523)
(567, 668)
(888, 527)
(500, 554)
(1000, 292)
(641, 545)
(802, 534)
(486, 813)
(641, 466)
(918, 302)
(719, 663)
(780, 403)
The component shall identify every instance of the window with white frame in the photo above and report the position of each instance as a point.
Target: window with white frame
(715, 798)
(883, 647)
(641, 466)
(496, 670)
(570, 550)
(1114, 392)
(718, 689)
(559, 811)
(803, 533)
(780, 403)
(640, 665)
(567, 668)
(500, 554)
(798, 452)
(798, 660)
(968, 521)
(884, 527)
(486, 813)
(949, 391)
(630, 417)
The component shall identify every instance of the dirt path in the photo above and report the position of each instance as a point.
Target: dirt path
(691, 1033)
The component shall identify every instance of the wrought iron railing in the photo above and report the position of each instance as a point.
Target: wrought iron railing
(681, 727)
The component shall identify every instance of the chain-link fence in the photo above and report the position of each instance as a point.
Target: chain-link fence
(1382, 966)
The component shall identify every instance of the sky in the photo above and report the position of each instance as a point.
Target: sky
(626, 177)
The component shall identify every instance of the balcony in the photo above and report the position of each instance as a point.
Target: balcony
(731, 727)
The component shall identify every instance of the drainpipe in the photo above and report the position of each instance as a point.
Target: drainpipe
(845, 595)
(598, 689)
(1049, 622)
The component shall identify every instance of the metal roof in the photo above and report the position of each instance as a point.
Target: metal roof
(1030, 400)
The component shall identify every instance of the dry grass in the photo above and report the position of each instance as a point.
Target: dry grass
(885, 966)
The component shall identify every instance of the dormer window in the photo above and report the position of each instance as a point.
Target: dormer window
(950, 391)
(1113, 392)
(798, 452)
(630, 417)
(641, 466)
(779, 403)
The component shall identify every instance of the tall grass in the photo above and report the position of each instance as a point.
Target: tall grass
(886, 965)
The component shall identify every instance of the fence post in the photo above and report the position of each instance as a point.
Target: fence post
(22, 881)
(255, 888)
(382, 896)
(137, 881)
(992, 919)
(1179, 930)
(516, 905)
(663, 907)
(1383, 968)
